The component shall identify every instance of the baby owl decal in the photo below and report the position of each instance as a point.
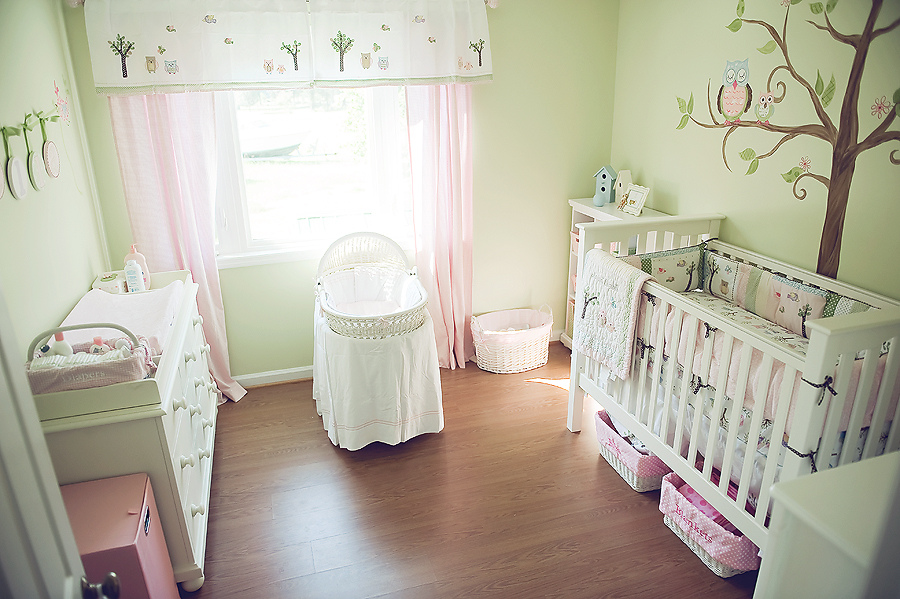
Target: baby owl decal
(735, 94)
(765, 108)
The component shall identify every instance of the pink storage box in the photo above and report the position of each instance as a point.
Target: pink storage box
(117, 529)
(641, 472)
(725, 553)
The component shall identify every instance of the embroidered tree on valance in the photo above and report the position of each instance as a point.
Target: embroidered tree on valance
(170, 46)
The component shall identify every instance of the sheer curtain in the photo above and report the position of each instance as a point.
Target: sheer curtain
(166, 145)
(440, 140)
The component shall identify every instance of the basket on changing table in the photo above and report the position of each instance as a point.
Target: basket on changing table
(366, 289)
(510, 341)
(722, 547)
(642, 472)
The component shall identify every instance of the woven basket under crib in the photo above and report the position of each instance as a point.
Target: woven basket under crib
(642, 472)
(367, 290)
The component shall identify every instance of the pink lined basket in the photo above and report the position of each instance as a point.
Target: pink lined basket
(641, 472)
(723, 552)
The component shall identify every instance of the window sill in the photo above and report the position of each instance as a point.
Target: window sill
(260, 258)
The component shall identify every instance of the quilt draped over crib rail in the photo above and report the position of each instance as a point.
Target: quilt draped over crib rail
(605, 328)
(172, 46)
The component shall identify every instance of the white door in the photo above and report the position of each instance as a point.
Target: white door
(38, 555)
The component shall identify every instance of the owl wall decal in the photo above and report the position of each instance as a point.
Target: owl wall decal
(269, 65)
(735, 94)
(765, 108)
(171, 66)
(365, 59)
(151, 63)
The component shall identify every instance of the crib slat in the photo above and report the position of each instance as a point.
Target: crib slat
(690, 350)
(718, 402)
(835, 411)
(660, 316)
(860, 403)
(671, 371)
(645, 401)
(734, 417)
(759, 408)
(888, 380)
(700, 402)
(775, 449)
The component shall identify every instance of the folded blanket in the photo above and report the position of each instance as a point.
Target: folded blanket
(604, 330)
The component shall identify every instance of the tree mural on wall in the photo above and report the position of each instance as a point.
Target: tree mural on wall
(342, 43)
(843, 136)
(293, 50)
(123, 48)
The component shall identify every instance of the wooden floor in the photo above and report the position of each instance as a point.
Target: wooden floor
(505, 502)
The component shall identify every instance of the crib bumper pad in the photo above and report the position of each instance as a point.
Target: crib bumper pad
(724, 552)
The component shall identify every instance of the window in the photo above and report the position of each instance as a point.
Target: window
(311, 165)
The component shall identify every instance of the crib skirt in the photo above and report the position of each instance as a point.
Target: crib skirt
(368, 390)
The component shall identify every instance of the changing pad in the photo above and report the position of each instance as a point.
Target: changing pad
(149, 314)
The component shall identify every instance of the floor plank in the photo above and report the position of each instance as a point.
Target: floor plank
(504, 502)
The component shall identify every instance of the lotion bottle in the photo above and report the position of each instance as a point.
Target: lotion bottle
(138, 257)
(60, 346)
(134, 277)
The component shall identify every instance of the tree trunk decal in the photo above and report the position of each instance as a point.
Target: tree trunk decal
(123, 48)
(293, 50)
(843, 136)
(341, 44)
(477, 48)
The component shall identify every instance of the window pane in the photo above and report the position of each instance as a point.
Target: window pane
(320, 163)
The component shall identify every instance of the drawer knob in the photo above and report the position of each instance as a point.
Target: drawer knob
(197, 509)
(179, 404)
(199, 382)
(187, 460)
(204, 349)
(194, 410)
(198, 320)
(204, 453)
(189, 355)
(207, 423)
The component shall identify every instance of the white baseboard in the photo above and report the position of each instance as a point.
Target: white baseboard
(275, 376)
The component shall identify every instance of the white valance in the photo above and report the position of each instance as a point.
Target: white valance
(167, 46)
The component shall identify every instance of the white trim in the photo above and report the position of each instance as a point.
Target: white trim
(285, 375)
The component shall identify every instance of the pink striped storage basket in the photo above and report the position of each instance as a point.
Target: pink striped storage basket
(641, 472)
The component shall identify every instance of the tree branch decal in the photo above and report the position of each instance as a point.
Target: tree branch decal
(843, 135)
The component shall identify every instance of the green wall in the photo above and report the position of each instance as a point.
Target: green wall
(669, 49)
(51, 245)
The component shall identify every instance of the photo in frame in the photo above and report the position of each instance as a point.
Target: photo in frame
(634, 199)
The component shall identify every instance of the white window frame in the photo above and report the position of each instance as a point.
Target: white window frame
(235, 246)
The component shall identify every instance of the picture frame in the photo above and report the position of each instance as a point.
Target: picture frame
(634, 199)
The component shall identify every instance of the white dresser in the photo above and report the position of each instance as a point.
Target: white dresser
(164, 426)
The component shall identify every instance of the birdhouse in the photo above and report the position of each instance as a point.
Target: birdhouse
(606, 181)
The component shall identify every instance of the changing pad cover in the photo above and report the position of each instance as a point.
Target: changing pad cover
(150, 314)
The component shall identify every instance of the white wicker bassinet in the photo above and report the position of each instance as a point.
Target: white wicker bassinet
(367, 290)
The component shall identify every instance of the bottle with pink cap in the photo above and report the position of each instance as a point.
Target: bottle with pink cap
(138, 257)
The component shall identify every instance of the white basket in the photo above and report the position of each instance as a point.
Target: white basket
(366, 289)
(511, 341)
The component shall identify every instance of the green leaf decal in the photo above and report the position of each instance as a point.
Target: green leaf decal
(740, 8)
(768, 48)
(830, 6)
(748, 154)
(897, 97)
(753, 166)
(792, 174)
(820, 85)
(796, 1)
(690, 106)
(682, 106)
(816, 8)
(683, 123)
(828, 94)
(735, 25)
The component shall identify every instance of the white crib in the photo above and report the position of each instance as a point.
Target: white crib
(810, 412)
